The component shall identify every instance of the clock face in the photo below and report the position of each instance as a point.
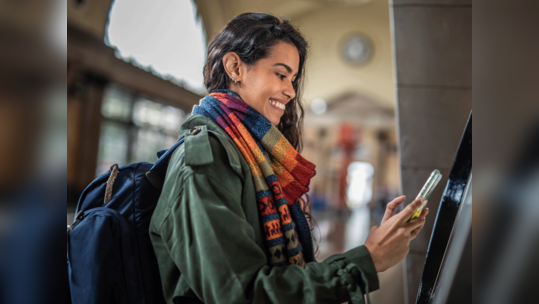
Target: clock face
(356, 49)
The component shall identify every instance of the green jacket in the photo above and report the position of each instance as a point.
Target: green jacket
(209, 240)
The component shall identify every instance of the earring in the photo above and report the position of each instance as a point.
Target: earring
(234, 80)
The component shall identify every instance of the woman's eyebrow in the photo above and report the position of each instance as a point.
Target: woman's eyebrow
(289, 69)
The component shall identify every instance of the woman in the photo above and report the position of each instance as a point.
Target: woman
(229, 226)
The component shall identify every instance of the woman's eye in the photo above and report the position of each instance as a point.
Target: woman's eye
(281, 76)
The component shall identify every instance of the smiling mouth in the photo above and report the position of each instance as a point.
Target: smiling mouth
(277, 104)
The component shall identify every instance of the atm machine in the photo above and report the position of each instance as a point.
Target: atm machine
(447, 272)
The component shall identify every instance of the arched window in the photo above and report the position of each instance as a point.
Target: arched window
(166, 37)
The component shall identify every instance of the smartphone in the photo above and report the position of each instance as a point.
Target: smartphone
(426, 191)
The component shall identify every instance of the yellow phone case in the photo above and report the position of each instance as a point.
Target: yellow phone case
(426, 191)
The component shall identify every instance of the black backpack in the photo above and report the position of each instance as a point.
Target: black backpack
(110, 258)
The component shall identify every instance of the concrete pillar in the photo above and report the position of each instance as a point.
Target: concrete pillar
(432, 42)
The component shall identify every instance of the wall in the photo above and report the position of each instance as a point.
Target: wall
(433, 66)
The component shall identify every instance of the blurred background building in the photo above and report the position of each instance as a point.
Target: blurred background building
(388, 93)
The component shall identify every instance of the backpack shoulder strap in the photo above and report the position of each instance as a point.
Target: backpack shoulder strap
(156, 175)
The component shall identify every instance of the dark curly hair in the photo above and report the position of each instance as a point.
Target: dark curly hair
(252, 36)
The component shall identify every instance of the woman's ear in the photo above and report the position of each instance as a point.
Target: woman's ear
(232, 63)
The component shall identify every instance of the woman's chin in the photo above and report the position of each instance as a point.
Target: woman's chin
(275, 120)
(274, 115)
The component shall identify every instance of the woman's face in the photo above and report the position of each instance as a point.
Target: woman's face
(267, 85)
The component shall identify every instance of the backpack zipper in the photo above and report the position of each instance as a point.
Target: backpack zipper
(79, 218)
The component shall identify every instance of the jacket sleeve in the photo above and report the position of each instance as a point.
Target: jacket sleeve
(213, 245)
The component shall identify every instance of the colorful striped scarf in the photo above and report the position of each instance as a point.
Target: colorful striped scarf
(281, 176)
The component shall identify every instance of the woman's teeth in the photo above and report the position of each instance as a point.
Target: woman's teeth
(278, 104)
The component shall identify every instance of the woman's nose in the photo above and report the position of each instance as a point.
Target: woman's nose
(289, 91)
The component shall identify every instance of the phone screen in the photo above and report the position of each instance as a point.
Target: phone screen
(426, 191)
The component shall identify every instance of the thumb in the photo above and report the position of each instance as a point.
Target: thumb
(392, 206)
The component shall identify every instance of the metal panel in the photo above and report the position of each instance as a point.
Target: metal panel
(452, 199)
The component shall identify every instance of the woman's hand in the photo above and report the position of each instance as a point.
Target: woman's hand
(389, 243)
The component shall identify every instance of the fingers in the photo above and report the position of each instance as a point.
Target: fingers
(392, 206)
(422, 217)
(415, 223)
(424, 212)
(410, 209)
